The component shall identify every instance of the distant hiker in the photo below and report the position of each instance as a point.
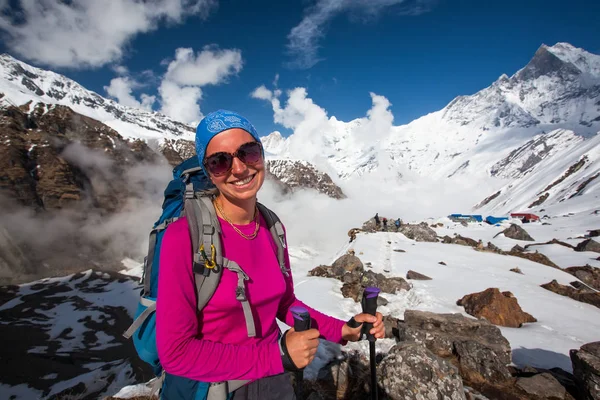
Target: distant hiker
(377, 222)
(384, 220)
(234, 342)
(398, 223)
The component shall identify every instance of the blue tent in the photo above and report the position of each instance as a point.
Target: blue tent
(494, 220)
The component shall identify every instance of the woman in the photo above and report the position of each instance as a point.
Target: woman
(213, 346)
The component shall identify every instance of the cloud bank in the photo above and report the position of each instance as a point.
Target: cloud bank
(84, 33)
(180, 88)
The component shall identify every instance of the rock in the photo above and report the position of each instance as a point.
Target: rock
(321, 270)
(586, 368)
(481, 352)
(399, 251)
(410, 371)
(349, 262)
(587, 274)
(387, 285)
(536, 257)
(420, 233)
(517, 249)
(351, 290)
(517, 270)
(582, 287)
(417, 276)
(442, 263)
(391, 326)
(516, 232)
(594, 232)
(583, 296)
(491, 247)
(498, 308)
(588, 245)
(543, 386)
(462, 240)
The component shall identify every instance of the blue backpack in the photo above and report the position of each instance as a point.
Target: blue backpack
(190, 195)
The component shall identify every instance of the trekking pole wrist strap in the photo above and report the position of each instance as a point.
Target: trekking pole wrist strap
(288, 364)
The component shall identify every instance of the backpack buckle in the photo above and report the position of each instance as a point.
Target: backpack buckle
(240, 293)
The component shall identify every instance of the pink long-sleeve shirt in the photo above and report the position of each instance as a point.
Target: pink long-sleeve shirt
(213, 345)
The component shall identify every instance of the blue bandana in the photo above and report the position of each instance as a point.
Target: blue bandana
(215, 123)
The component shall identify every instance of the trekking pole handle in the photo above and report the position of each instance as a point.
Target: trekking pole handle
(301, 318)
(369, 306)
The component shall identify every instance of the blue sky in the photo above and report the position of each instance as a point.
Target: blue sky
(419, 54)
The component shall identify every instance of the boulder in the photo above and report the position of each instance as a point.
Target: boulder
(535, 257)
(517, 270)
(517, 233)
(587, 274)
(462, 240)
(478, 347)
(586, 368)
(544, 386)
(387, 285)
(584, 296)
(417, 276)
(517, 249)
(349, 262)
(410, 371)
(588, 245)
(420, 233)
(499, 308)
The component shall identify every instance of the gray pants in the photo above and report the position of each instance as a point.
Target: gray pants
(277, 387)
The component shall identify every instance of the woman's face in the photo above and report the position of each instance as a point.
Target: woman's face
(242, 181)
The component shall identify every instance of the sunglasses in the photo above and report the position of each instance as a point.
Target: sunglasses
(220, 163)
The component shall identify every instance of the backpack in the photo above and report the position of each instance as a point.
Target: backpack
(190, 195)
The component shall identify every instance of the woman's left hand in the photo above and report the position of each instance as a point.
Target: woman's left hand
(353, 334)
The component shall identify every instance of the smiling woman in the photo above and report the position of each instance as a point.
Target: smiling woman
(200, 351)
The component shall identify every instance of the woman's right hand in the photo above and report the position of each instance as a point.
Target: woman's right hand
(302, 346)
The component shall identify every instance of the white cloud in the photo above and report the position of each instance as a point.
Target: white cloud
(120, 70)
(180, 103)
(262, 93)
(379, 121)
(210, 67)
(304, 38)
(121, 89)
(84, 33)
(181, 87)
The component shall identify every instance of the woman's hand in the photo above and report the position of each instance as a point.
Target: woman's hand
(302, 346)
(353, 334)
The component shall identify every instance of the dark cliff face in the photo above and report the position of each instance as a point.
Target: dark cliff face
(54, 158)
(299, 174)
(544, 63)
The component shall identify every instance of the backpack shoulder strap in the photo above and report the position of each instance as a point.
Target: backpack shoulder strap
(208, 260)
(276, 228)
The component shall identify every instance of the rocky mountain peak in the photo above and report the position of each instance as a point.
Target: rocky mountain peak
(545, 62)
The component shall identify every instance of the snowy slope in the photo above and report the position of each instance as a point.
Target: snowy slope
(558, 89)
(576, 172)
(563, 323)
(21, 83)
(65, 336)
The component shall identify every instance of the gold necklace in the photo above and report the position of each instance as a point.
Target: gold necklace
(242, 234)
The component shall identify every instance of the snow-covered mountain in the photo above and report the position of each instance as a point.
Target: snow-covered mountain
(21, 83)
(558, 89)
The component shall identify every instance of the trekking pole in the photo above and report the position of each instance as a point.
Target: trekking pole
(301, 323)
(369, 306)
